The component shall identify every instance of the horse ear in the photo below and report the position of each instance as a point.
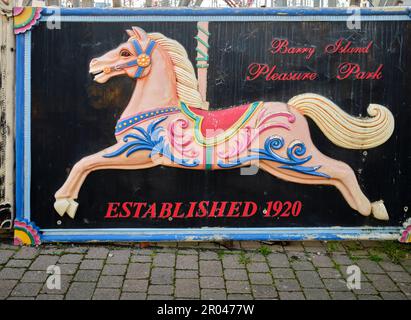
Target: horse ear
(140, 33)
(130, 32)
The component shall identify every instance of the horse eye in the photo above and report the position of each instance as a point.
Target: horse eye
(125, 53)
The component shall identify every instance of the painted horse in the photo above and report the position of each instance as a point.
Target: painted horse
(164, 124)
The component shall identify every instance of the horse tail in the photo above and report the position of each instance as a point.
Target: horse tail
(343, 129)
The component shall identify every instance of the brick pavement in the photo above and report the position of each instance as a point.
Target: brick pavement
(249, 270)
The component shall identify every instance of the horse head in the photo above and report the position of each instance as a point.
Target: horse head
(132, 58)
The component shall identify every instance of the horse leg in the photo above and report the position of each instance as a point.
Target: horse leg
(341, 176)
(69, 191)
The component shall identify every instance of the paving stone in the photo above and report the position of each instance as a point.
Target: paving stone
(212, 282)
(187, 262)
(282, 273)
(185, 251)
(5, 255)
(138, 270)
(76, 250)
(110, 282)
(329, 273)
(6, 286)
(235, 274)
(258, 257)
(27, 253)
(147, 252)
(8, 245)
(278, 260)
(342, 259)
(365, 288)
(64, 285)
(21, 298)
(68, 268)
(316, 294)
(406, 289)
(369, 297)
(400, 277)
(302, 265)
(335, 284)
(71, 258)
(322, 261)
(92, 264)
(158, 297)
(261, 278)
(50, 297)
(231, 261)
(236, 296)
(34, 276)
(250, 245)
(368, 266)
(140, 258)
(297, 295)
(162, 276)
(87, 275)
(11, 273)
(393, 296)
(161, 289)
(164, 260)
(264, 292)
(382, 282)
(210, 268)
(133, 296)
(287, 285)
(26, 289)
(293, 246)
(43, 262)
(257, 267)
(106, 294)
(118, 256)
(187, 274)
(114, 269)
(135, 285)
(208, 255)
(390, 266)
(97, 253)
(309, 279)
(213, 294)
(238, 286)
(80, 291)
(187, 288)
(18, 263)
(339, 295)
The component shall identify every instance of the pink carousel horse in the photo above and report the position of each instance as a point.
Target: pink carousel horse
(163, 124)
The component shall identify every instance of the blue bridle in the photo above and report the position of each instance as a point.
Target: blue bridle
(143, 59)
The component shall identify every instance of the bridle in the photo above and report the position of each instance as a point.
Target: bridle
(143, 59)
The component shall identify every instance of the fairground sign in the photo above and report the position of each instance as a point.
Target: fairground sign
(151, 125)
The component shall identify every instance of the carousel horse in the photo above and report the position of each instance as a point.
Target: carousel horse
(164, 124)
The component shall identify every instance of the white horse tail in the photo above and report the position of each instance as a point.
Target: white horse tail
(343, 129)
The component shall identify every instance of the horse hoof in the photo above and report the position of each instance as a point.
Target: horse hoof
(61, 205)
(71, 210)
(379, 211)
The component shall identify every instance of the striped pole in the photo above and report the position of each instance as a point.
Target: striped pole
(202, 59)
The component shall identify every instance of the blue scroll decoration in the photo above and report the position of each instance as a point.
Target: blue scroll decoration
(152, 141)
(294, 162)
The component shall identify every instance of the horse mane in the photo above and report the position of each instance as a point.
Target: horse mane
(187, 84)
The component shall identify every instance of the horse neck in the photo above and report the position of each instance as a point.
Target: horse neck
(157, 89)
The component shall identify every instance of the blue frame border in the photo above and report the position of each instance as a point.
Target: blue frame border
(23, 128)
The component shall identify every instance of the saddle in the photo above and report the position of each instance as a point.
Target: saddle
(214, 127)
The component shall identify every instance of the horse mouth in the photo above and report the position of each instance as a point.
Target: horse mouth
(97, 74)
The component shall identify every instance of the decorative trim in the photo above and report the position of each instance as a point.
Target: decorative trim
(129, 122)
(219, 234)
(204, 141)
(404, 11)
(25, 18)
(406, 232)
(26, 233)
